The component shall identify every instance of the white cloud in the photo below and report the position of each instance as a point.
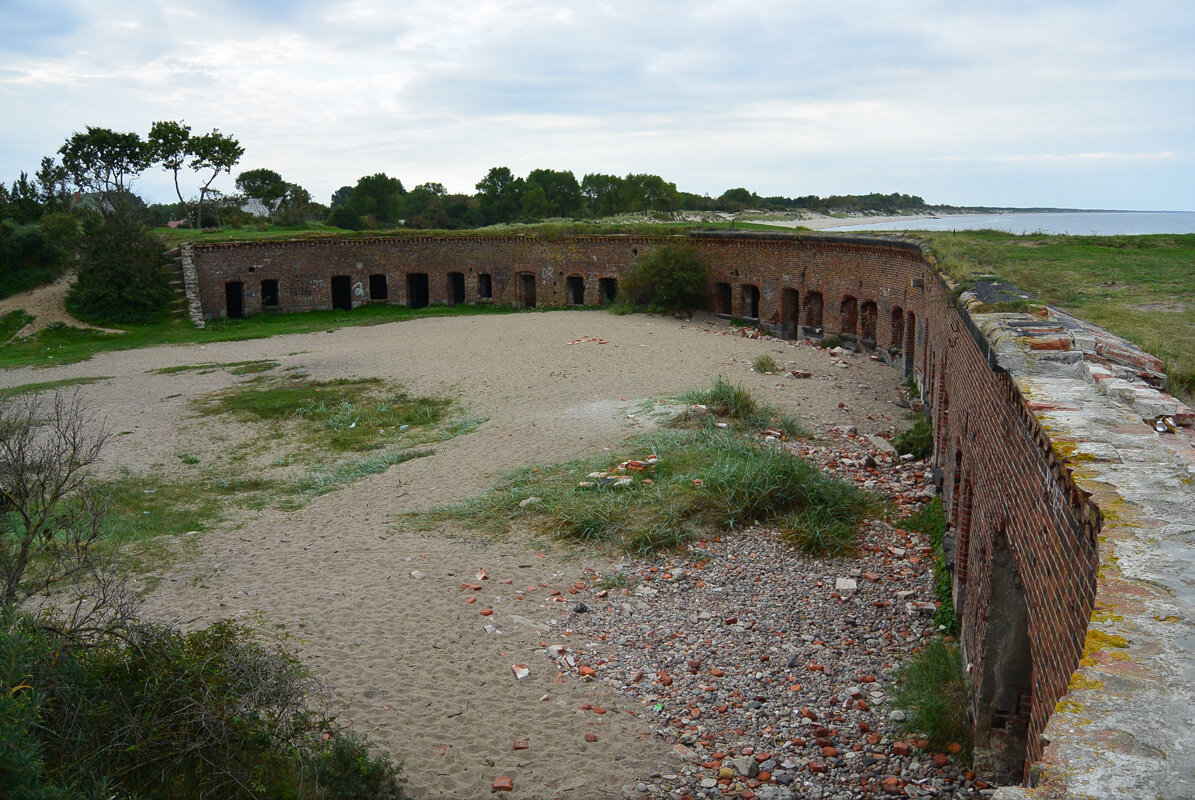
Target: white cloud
(787, 98)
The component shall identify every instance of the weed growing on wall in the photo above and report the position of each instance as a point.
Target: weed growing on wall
(932, 689)
(931, 523)
(918, 440)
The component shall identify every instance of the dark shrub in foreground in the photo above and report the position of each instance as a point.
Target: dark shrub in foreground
(159, 713)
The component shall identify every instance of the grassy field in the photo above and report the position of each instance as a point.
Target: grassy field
(1138, 287)
(59, 344)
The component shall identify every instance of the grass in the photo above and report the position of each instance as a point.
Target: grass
(12, 322)
(342, 414)
(765, 364)
(47, 386)
(931, 523)
(1138, 287)
(933, 690)
(234, 367)
(705, 479)
(731, 401)
(918, 439)
(60, 344)
(320, 481)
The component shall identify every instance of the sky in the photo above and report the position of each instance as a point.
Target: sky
(1085, 104)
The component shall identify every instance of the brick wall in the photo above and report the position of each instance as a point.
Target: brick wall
(1000, 475)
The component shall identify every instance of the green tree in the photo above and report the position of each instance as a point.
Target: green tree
(671, 278)
(106, 162)
(122, 276)
(561, 192)
(603, 193)
(649, 193)
(170, 146)
(213, 153)
(500, 195)
(377, 201)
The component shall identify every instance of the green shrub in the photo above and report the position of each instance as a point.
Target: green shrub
(918, 440)
(732, 401)
(830, 342)
(671, 278)
(932, 689)
(122, 277)
(159, 713)
(765, 363)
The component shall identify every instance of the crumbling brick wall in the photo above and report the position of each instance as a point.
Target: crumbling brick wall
(1003, 484)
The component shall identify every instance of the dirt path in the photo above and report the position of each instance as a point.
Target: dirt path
(47, 305)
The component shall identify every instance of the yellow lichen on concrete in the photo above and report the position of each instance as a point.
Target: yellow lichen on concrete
(1080, 681)
(1067, 707)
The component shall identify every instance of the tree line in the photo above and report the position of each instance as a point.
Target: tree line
(80, 208)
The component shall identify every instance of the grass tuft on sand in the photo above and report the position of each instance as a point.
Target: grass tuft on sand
(670, 486)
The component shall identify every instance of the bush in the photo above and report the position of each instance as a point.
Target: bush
(671, 278)
(933, 690)
(918, 440)
(731, 400)
(28, 257)
(122, 277)
(765, 363)
(159, 713)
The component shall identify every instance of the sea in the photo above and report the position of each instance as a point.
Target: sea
(1075, 223)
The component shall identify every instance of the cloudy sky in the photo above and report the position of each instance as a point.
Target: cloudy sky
(1085, 104)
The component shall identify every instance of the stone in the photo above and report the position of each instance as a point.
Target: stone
(591, 737)
(745, 765)
(530, 501)
(520, 671)
(504, 784)
(845, 585)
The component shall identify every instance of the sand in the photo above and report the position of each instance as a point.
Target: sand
(378, 612)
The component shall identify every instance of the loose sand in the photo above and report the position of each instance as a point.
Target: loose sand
(378, 612)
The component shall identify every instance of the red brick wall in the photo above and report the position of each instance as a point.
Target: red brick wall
(1010, 481)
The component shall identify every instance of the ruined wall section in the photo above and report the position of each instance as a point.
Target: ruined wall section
(1005, 489)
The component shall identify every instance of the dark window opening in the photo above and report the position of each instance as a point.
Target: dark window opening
(813, 312)
(898, 328)
(1005, 690)
(377, 287)
(910, 342)
(849, 320)
(456, 288)
(575, 286)
(342, 292)
(750, 301)
(867, 322)
(722, 299)
(790, 314)
(269, 294)
(526, 290)
(234, 299)
(608, 289)
(485, 286)
(418, 295)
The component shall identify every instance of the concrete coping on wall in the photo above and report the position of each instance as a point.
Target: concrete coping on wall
(1126, 727)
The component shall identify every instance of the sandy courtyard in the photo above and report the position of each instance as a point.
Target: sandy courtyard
(379, 613)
